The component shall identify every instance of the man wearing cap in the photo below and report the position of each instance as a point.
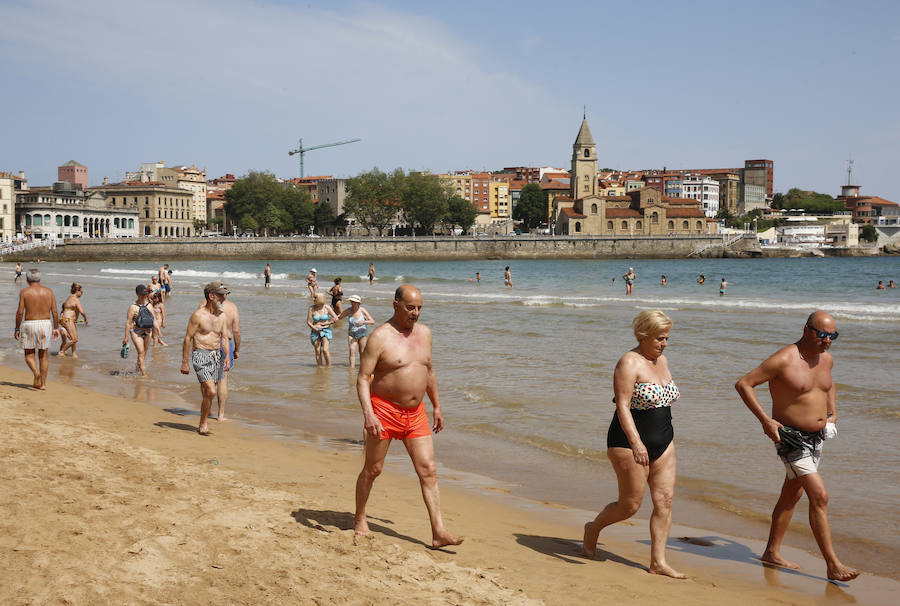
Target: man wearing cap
(36, 323)
(140, 336)
(233, 334)
(312, 282)
(204, 343)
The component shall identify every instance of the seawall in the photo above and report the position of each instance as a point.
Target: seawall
(434, 248)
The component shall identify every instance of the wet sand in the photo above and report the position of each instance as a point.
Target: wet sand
(108, 500)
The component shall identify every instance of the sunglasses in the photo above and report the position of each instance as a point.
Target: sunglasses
(824, 333)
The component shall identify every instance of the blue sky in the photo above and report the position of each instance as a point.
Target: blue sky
(232, 84)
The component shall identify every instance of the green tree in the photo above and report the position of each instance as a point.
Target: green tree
(810, 201)
(778, 200)
(460, 212)
(868, 233)
(199, 226)
(373, 198)
(259, 201)
(424, 198)
(532, 206)
(324, 219)
(725, 214)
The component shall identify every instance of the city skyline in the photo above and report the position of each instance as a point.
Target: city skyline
(233, 85)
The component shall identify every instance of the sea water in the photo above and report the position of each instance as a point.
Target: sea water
(525, 374)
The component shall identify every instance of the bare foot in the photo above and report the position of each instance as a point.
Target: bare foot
(203, 431)
(589, 544)
(445, 540)
(666, 570)
(75, 356)
(36, 383)
(841, 573)
(776, 560)
(221, 418)
(361, 528)
(61, 354)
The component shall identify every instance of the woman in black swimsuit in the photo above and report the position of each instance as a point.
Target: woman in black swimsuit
(639, 443)
(337, 293)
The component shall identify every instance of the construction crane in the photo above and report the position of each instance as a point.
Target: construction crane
(302, 150)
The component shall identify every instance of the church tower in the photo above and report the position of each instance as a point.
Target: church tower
(584, 164)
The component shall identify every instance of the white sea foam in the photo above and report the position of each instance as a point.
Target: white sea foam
(191, 273)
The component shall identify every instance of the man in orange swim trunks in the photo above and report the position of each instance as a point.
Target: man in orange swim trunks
(397, 361)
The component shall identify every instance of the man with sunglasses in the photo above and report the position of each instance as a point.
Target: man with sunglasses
(803, 415)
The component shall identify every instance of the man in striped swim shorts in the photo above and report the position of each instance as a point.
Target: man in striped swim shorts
(204, 344)
(37, 322)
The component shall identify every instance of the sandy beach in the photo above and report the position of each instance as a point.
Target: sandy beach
(108, 500)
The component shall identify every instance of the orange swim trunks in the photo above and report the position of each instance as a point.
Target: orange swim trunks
(399, 423)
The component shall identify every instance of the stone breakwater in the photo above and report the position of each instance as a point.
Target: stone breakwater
(436, 248)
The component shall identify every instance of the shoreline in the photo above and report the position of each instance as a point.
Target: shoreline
(308, 491)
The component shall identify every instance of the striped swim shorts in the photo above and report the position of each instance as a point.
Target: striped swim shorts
(208, 364)
(36, 334)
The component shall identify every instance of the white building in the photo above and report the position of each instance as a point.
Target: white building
(801, 232)
(9, 184)
(704, 189)
(66, 212)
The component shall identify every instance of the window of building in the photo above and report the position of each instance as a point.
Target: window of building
(609, 225)
(671, 225)
(74, 221)
(624, 224)
(47, 220)
(685, 226)
(700, 225)
(593, 209)
(587, 153)
(639, 225)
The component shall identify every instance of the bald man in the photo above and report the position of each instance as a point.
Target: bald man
(803, 415)
(395, 373)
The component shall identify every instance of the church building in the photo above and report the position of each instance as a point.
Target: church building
(639, 212)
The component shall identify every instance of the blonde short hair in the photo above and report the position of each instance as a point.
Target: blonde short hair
(650, 322)
(320, 298)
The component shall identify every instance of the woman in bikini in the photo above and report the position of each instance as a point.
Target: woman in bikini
(358, 320)
(319, 318)
(71, 308)
(639, 443)
(159, 318)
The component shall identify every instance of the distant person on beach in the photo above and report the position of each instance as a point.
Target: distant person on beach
(337, 293)
(880, 285)
(629, 278)
(204, 342)
(267, 274)
(164, 279)
(804, 411)
(169, 282)
(663, 281)
(891, 284)
(36, 323)
(358, 321)
(154, 285)
(233, 336)
(722, 286)
(319, 318)
(701, 279)
(395, 373)
(478, 277)
(312, 283)
(507, 278)
(159, 318)
(371, 273)
(18, 273)
(639, 441)
(614, 280)
(68, 318)
(139, 322)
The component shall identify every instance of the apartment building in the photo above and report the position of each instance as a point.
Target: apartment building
(165, 211)
(703, 189)
(73, 172)
(189, 178)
